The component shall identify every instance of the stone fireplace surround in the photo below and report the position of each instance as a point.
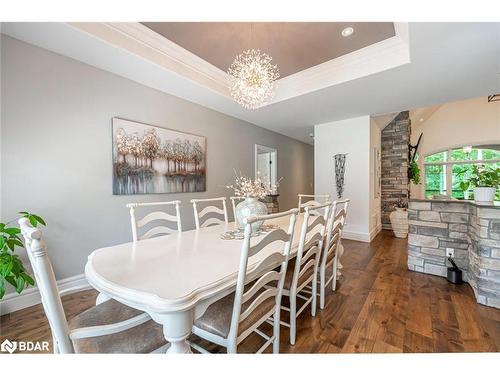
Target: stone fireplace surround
(471, 229)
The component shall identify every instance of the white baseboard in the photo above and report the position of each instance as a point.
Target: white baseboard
(12, 301)
(362, 236)
(356, 236)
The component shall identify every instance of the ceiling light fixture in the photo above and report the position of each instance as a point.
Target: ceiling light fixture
(348, 31)
(421, 119)
(252, 78)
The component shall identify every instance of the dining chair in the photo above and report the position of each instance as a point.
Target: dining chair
(155, 216)
(233, 203)
(302, 271)
(314, 200)
(341, 206)
(206, 215)
(330, 251)
(109, 327)
(228, 321)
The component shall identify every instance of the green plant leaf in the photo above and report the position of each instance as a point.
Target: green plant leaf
(39, 219)
(2, 287)
(29, 280)
(20, 284)
(32, 220)
(6, 268)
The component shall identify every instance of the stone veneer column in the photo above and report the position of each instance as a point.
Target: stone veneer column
(394, 155)
(471, 230)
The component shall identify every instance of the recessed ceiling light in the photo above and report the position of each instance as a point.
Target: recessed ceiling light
(421, 119)
(347, 31)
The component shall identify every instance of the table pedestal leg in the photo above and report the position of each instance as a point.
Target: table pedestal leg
(176, 328)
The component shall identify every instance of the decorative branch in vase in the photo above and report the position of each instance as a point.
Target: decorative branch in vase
(252, 191)
(12, 270)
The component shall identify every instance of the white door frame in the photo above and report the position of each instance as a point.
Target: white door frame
(266, 149)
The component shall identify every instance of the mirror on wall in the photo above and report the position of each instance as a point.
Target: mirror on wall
(266, 165)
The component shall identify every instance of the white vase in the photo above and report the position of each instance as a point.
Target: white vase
(484, 194)
(250, 206)
(399, 222)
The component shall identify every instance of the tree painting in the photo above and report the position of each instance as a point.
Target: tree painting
(152, 160)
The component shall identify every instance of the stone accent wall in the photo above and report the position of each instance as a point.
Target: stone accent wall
(471, 230)
(394, 155)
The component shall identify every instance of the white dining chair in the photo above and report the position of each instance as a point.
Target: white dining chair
(109, 327)
(330, 251)
(230, 320)
(234, 202)
(301, 278)
(205, 217)
(313, 200)
(155, 217)
(340, 207)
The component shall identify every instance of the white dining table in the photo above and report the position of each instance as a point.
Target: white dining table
(175, 278)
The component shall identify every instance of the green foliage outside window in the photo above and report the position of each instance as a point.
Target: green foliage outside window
(436, 171)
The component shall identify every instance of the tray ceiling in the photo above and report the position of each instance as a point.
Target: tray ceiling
(294, 46)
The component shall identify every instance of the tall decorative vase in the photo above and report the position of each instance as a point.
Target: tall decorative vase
(399, 222)
(250, 206)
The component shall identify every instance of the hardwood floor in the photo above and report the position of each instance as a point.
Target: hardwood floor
(379, 307)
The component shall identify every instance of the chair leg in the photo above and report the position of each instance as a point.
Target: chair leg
(322, 288)
(334, 278)
(231, 347)
(293, 316)
(314, 292)
(276, 330)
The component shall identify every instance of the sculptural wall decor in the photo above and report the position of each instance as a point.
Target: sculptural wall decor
(339, 173)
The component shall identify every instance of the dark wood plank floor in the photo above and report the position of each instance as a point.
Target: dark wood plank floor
(379, 307)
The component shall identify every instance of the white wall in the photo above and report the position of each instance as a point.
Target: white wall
(375, 201)
(56, 149)
(354, 137)
(467, 122)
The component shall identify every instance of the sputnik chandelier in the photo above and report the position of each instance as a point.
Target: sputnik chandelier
(252, 78)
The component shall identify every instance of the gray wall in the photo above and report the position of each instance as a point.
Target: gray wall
(56, 149)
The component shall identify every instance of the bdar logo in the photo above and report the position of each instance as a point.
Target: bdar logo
(8, 346)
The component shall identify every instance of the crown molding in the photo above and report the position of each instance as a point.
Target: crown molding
(151, 46)
(386, 54)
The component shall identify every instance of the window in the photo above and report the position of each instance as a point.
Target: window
(445, 170)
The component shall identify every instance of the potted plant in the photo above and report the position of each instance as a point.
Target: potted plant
(399, 219)
(485, 181)
(12, 270)
(414, 173)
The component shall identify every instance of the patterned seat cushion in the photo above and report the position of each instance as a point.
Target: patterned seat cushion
(217, 318)
(144, 338)
(289, 275)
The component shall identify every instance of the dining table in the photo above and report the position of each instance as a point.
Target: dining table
(174, 278)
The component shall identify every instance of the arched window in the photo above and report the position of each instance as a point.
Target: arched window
(446, 169)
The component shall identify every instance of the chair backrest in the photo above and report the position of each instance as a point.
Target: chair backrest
(312, 237)
(234, 201)
(47, 285)
(154, 216)
(205, 218)
(268, 280)
(313, 200)
(334, 229)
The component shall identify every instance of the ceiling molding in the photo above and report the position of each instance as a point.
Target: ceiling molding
(384, 55)
(146, 43)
